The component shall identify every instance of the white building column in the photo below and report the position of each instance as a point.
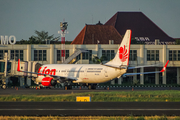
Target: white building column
(51, 53)
(120, 80)
(142, 76)
(28, 58)
(157, 76)
(178, 75)
(97, 49)
(141, 59)
(134, 76)
(164, 77)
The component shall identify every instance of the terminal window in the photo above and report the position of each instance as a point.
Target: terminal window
(109, 54)
(87, 55)
(152, 55)
(133, 55)
(17, 54)
(59, 54)
(2, 52)
(39, 55)
(67, 54)
(78, 57)
(174, 55)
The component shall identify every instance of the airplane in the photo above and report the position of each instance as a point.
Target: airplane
(89, 74)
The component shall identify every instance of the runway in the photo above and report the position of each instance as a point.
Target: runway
(89, 108)
(81, 109)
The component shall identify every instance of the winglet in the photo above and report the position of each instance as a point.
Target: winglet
(18, 68)
(164, 68)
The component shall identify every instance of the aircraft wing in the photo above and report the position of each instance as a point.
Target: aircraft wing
(132, 74)
(54, 76)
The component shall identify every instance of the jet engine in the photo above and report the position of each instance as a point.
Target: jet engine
(48, 81)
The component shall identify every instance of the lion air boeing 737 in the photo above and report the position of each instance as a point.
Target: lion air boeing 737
(50, 74)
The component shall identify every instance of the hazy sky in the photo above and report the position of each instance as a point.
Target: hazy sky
(22, 17)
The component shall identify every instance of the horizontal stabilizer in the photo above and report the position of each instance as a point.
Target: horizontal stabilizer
(134, 67)
(132, 74)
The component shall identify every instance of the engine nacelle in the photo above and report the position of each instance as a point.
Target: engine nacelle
(48, 81)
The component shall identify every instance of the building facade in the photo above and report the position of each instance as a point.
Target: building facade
(139, 55)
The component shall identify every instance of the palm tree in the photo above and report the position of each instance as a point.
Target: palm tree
(43, 36)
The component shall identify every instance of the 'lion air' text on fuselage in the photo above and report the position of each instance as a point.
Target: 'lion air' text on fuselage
(47, 71)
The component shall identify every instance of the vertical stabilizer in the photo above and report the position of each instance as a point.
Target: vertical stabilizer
(18, 68)
(122, 55)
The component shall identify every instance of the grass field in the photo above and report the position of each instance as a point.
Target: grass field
(114, 96)
(90, 118)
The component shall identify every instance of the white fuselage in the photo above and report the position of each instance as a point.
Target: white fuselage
(82, 73)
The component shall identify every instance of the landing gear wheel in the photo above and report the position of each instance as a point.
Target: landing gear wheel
(3, 86)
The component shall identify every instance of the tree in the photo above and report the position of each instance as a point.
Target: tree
(96, 59)
(177, 41)
(32, 40)
(22, 42)
(43, 36)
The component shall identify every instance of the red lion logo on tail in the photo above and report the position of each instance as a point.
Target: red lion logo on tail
(123, 55)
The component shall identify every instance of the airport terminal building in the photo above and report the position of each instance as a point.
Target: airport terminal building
(150, 45)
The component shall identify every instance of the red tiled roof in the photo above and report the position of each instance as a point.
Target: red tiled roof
(91, 34)
(140, 25)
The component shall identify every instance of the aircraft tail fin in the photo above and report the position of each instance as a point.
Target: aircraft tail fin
(18, 67)
(122, 56)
